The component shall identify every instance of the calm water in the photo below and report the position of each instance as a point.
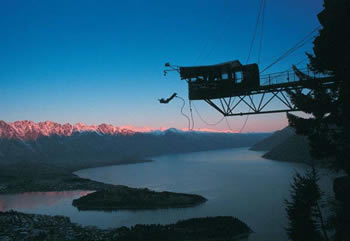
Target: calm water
(236, 182)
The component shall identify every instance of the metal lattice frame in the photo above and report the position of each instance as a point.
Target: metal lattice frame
(259, 102)
(228, 106)
(272, 87)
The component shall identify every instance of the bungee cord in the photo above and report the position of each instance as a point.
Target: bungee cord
(182, 108)
(204, 121)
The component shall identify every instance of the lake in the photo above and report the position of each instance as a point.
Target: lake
(237, 182)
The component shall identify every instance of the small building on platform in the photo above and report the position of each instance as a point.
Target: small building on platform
(220, 80)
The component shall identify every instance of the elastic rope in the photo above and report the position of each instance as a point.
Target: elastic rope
(192, 127)
(228, 124)
(204, 121)
(182, 108)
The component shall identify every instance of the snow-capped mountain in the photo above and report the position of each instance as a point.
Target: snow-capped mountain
(29, 130)
(82, 145)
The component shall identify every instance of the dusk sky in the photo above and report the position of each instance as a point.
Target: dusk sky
(102, 61)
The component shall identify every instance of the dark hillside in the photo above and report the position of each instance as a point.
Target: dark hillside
(274, 140)
(285, 145)
(294, 149)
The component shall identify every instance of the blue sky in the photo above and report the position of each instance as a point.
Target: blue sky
(102, 61)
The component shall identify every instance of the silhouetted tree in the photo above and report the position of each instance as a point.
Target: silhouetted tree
(304, 214)
(328, 130)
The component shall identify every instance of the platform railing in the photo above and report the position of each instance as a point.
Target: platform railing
(288, 76)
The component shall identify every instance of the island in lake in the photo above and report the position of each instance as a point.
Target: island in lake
(40, 177)
(122, 197)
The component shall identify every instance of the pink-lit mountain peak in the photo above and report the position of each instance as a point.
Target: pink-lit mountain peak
(29, 130)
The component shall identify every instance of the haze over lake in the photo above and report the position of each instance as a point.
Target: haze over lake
(236, 182)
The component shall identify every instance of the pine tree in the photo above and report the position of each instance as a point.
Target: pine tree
(328, 129)
(305, 218)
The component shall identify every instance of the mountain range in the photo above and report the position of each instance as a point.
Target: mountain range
(82, 145)
(29, 130)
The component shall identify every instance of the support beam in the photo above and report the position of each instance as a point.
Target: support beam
(270, 95)
(257, 103)
(261, 112)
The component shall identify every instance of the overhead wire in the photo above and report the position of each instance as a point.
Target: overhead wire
(300, 62)
(220, 34)
(298, 45)
(255, 31)
(260, 12)
(200, 56)
(262, 32)
(290, 51)
(206, 44)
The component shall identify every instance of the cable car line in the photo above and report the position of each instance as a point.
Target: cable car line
(262, 8)
(298, 45)
(255, 30)
(261, 14)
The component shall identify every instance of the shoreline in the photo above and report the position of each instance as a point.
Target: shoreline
(25, 177)
(35, 177)
(106, 164)
(21, 226)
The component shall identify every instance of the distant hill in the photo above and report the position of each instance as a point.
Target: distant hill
(285, 145)
(294, 149)
(274, 140)
(80, 146)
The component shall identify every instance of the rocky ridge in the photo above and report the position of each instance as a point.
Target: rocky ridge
(29, 130)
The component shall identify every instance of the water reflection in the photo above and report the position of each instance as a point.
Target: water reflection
(33, 200)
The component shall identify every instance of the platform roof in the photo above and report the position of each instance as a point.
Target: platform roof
(204, 70)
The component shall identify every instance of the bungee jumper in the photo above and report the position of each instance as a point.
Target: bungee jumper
(166, 101)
